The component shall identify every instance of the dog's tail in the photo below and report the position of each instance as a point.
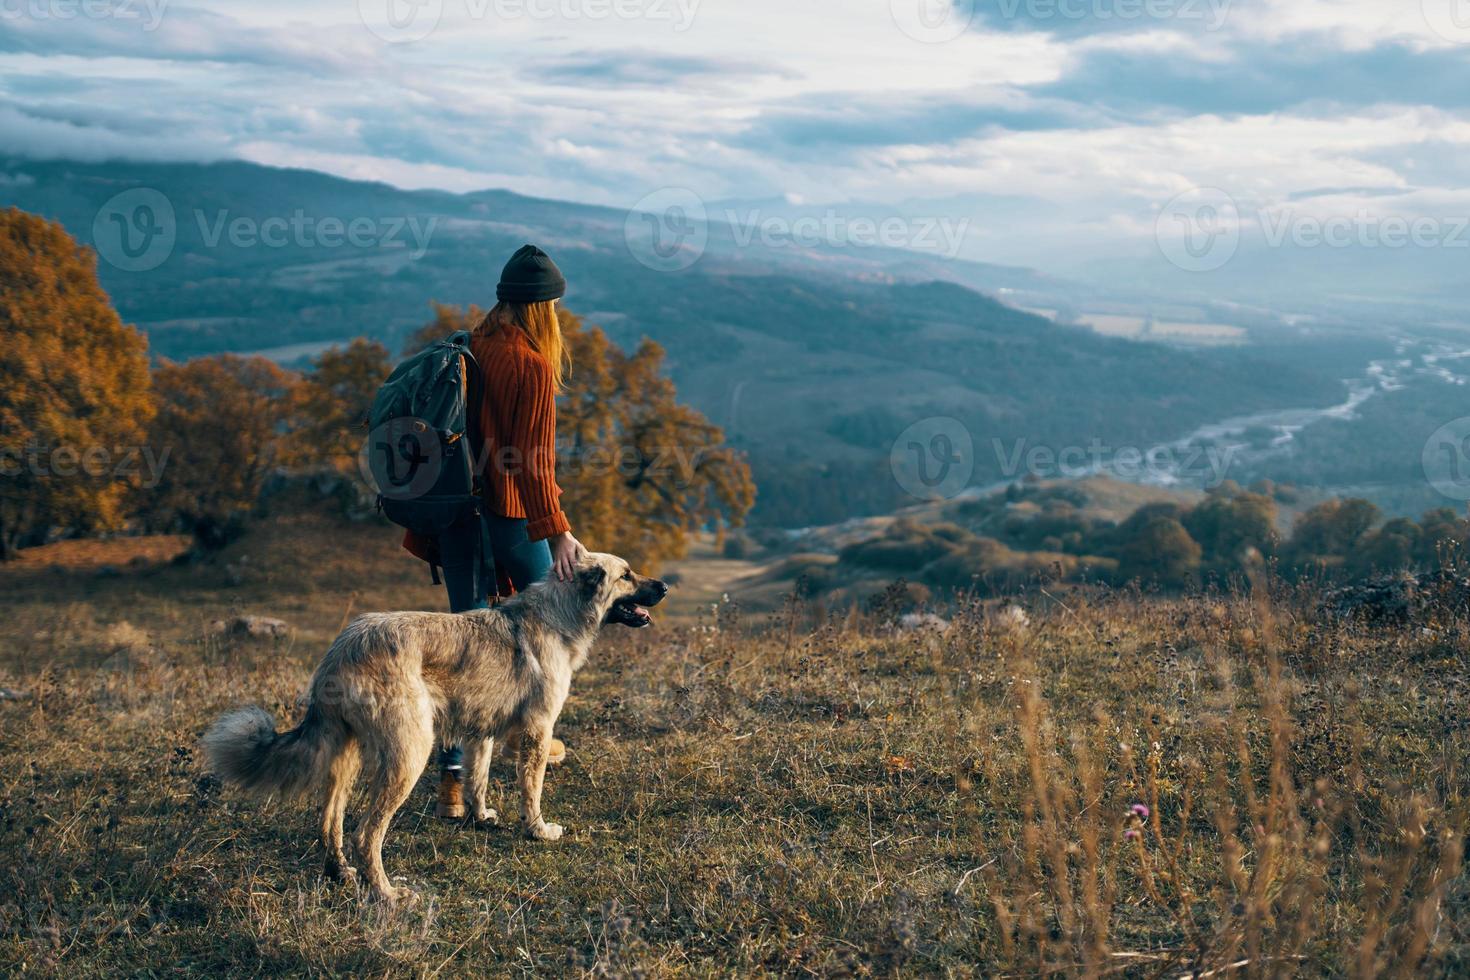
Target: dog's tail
(244, 748)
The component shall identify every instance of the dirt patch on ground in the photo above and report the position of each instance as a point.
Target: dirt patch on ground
(153, 549)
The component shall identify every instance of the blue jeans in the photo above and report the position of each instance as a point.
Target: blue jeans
(524, 561)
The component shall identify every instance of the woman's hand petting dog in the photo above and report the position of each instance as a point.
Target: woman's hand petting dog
(566, 551)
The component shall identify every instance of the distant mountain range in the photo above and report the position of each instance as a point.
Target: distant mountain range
(814, 356)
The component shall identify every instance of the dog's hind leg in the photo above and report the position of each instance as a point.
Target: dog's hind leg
(401, 746)
(535, 747)
(341, 777)
(477, 779)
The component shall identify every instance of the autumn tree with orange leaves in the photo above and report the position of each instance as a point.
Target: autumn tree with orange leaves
(641, 471)
(74, 389)
(336, 397)
(226, 422)
(447, 320)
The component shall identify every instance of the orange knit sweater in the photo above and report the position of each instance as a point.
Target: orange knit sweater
(518, 424)
(517, 464)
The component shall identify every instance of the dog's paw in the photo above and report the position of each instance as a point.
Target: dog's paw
(545, 831)
(487, 818)
(400, 898)
(340, 871)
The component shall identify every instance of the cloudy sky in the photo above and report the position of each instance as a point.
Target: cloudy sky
(1050, 123)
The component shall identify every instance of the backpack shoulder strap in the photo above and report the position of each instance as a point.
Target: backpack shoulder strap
(474, 394)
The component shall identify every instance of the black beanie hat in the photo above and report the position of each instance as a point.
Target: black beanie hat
(530, 277)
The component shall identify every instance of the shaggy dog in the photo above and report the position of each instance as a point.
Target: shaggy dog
(394, 682)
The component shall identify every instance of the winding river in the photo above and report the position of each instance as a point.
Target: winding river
(1415, 360)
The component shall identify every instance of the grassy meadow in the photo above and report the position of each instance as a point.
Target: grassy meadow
(1115, 785)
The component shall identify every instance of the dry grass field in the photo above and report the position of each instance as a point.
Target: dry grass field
(1123, 786)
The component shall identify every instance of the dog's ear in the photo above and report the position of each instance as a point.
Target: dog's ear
(591, 579)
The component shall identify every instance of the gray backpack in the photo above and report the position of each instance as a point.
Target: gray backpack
(423, 442)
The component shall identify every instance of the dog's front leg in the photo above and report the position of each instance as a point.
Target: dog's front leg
(477, 780)
(535, 739)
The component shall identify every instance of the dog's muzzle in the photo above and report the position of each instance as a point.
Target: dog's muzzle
(632, 610)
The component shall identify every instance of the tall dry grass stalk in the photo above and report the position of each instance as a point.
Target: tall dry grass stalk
(1208, 823)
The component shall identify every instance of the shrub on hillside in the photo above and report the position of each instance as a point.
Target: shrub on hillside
(1325, 535)
(906, 546)
(1444, 538)
(1233, 529)
(820, 572)
(1046, 538)
(990, 568)
(968, 567)
(739, 547)
(1158, 551)
(1059, 526)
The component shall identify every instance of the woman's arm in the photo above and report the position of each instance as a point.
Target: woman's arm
(534, 436)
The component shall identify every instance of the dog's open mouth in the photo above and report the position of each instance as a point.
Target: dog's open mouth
(629, 613)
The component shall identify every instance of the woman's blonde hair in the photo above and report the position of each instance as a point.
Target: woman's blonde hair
(539, 323)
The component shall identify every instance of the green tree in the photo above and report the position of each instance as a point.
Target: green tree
(1233, 529)
(1445, 539)
(1324, 536)
(74, 388)
(1159, 550)
(1393, 547)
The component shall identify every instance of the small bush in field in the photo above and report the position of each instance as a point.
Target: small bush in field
(739, 547)
(905, 546)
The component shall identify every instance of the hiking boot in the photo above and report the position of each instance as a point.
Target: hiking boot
(556, 750)
(450, 805)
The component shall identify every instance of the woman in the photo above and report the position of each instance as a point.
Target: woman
(523, 365)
